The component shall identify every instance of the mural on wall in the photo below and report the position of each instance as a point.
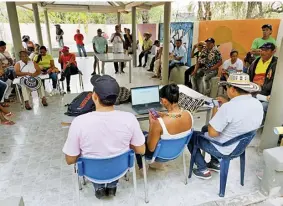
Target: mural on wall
(235, 34)
(142, 28)
(180, 30)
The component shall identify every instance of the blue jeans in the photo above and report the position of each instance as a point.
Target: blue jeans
(204, 145)
(53, 77)
(109, 185)
(3, 88)
(61, 43)
(173, 64)
(81, 47)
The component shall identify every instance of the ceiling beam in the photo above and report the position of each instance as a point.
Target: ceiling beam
(156, 4)
(133, 4)
(25, 7)
(86, 8)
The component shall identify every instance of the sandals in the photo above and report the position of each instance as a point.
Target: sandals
(44, 102)
(7, 122)
(27, 106)
(9, 114)
(5, 104)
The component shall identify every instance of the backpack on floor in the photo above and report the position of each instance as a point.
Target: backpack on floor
(82, 104)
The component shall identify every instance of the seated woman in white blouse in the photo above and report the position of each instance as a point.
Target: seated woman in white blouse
(173, 124)
(232, 65)
(26, 67)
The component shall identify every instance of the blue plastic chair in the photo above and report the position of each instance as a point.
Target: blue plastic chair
(239, 151)
(167, 150)
(106, 170)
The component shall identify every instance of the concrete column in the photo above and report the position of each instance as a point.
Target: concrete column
(134, 34)
(166, 40)
(119, 18)
(37, 23)
(48, 31)
(15, 27)
(274, 116)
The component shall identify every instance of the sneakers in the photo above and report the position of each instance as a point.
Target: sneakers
(111, 191)
(68, 89)
(122, 71)
(213, 166)
(202, 174)
(100, 192)
(93, 73)
(139, 65)
(144, 66)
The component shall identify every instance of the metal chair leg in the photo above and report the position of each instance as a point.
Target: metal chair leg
(84, 182)
(134, 182)
(79, 183)
(127, 176)
(19, 95)
(145, 180)
(185, 172)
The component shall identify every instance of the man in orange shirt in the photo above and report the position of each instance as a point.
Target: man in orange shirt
(79, 41)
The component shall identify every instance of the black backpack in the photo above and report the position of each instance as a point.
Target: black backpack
(82, 104)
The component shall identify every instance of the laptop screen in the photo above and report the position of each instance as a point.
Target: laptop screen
(145, 95)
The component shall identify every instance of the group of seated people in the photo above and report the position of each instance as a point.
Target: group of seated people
(177, 55)
(238, 114)
(33, 64)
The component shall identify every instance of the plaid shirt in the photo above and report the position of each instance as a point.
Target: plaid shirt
(208, 58)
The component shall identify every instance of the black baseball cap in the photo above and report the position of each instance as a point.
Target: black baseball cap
(210, 40)
(2, 43)
(99, 30)
(269, 26)
(105, 86)
(268, 45)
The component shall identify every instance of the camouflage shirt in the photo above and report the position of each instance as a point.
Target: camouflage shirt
(208, 58)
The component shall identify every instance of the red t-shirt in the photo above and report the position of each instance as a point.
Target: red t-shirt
(68, 58)
(79, 39)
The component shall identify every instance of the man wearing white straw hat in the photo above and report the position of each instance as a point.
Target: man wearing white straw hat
(242, 114)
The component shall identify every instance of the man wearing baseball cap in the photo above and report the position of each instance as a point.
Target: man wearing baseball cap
(266, 37)
(206, 67)
(105, 132)
(230, 119)
(68, 60)
(262, 70)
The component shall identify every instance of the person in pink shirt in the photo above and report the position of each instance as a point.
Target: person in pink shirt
(105, 132)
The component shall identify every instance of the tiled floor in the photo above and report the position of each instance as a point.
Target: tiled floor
(32, 164)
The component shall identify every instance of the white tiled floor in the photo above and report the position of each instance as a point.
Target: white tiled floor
(33, 166)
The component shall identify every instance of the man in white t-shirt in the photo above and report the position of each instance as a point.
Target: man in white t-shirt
(117, 40)
(179, 56)
(232, 65)
(105, 132)
(242, 114)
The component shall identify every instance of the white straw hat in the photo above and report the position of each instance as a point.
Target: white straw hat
(242, 81)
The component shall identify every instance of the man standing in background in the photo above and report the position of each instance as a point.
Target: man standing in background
(59, 35)
(117, 40)
(100, 46)
(79, 41)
